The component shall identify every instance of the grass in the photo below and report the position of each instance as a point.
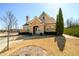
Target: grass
(74, 31)
(51, 44)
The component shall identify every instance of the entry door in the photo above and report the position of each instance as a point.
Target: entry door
(35, 28)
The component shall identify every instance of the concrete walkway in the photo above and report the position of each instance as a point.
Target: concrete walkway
(71, 37)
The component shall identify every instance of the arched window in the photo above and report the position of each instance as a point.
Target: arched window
(43, 18)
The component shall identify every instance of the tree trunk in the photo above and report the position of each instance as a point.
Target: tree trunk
(8, 39)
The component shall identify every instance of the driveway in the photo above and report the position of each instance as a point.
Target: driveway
(71, 37)
(3, 40)
(3, 43)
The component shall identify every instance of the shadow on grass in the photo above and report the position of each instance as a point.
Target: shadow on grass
(60, 42)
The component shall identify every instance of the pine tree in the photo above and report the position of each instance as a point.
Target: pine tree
(60, 23)
(57, 21)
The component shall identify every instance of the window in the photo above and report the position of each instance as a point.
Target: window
(43, 17)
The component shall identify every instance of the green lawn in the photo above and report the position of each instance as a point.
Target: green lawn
(74, 31)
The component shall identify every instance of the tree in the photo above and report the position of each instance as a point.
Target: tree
(72, 22)
(59, 23)
(69, 23)
(9, 19)
(10, 22)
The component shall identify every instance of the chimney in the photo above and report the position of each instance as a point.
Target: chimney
(27, 18)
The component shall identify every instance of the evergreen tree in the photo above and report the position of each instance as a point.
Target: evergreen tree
(60, 23)
(57, 20)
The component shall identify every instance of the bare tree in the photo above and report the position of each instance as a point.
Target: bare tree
(9, 19)
(69, 22)
(72, 22)
(10, 22)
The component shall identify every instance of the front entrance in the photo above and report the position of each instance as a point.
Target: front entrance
(35, 29)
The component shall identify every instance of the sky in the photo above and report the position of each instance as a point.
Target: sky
(21, 10)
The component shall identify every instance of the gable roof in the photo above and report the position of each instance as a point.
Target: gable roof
(43, 14)
(35, 18)
(48, 19)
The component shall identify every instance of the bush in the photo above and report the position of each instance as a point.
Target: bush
(50, 33)
(25, 33)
